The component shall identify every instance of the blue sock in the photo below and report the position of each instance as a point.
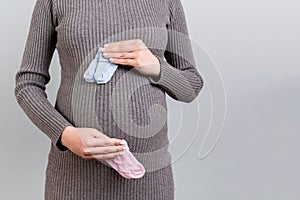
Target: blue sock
(100, 69)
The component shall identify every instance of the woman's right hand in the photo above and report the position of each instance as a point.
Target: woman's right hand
(91, 144)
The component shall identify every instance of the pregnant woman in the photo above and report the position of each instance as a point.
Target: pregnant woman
(99, 131)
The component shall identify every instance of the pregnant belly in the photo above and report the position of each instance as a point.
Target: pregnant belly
(127, 107)
(134, 110)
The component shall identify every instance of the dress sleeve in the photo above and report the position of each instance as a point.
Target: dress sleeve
(33, 75)
(178, 73)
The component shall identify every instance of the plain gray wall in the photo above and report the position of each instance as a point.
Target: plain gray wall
(255, 46)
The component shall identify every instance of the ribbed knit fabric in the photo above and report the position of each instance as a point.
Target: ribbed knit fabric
(130, 106)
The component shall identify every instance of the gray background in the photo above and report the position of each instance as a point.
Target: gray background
(255, 45)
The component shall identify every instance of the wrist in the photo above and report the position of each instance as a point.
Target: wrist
(69, 130)
(156, 75)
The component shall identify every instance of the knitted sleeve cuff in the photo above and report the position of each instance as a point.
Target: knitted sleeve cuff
(177, 83)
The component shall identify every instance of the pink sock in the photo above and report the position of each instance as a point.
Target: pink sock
(127, 165)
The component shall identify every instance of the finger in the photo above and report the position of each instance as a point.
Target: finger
(124, 46)
(117, 142)
(104, 156)
(105, 150)
(119, 55)
(120, 48)
(123, 61)
(126, 42)
(88, 157)
(90, 151)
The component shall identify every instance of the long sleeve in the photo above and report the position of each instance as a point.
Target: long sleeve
(178, 73)
(33, 75)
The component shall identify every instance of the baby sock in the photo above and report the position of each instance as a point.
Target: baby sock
(127, 165)
(89, 73)
(100, 69)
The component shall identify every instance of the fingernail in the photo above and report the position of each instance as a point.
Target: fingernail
(111, 59)
(125, 148)
(106, 45)
(105, 54)
(122, 142)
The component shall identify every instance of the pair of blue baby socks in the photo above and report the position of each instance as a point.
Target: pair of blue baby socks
(100, 70)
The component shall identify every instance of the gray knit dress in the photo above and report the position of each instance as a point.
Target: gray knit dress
(130, 106)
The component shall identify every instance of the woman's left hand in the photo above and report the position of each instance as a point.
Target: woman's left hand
(133, 53)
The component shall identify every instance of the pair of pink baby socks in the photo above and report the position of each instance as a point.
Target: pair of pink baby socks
(126, 164)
